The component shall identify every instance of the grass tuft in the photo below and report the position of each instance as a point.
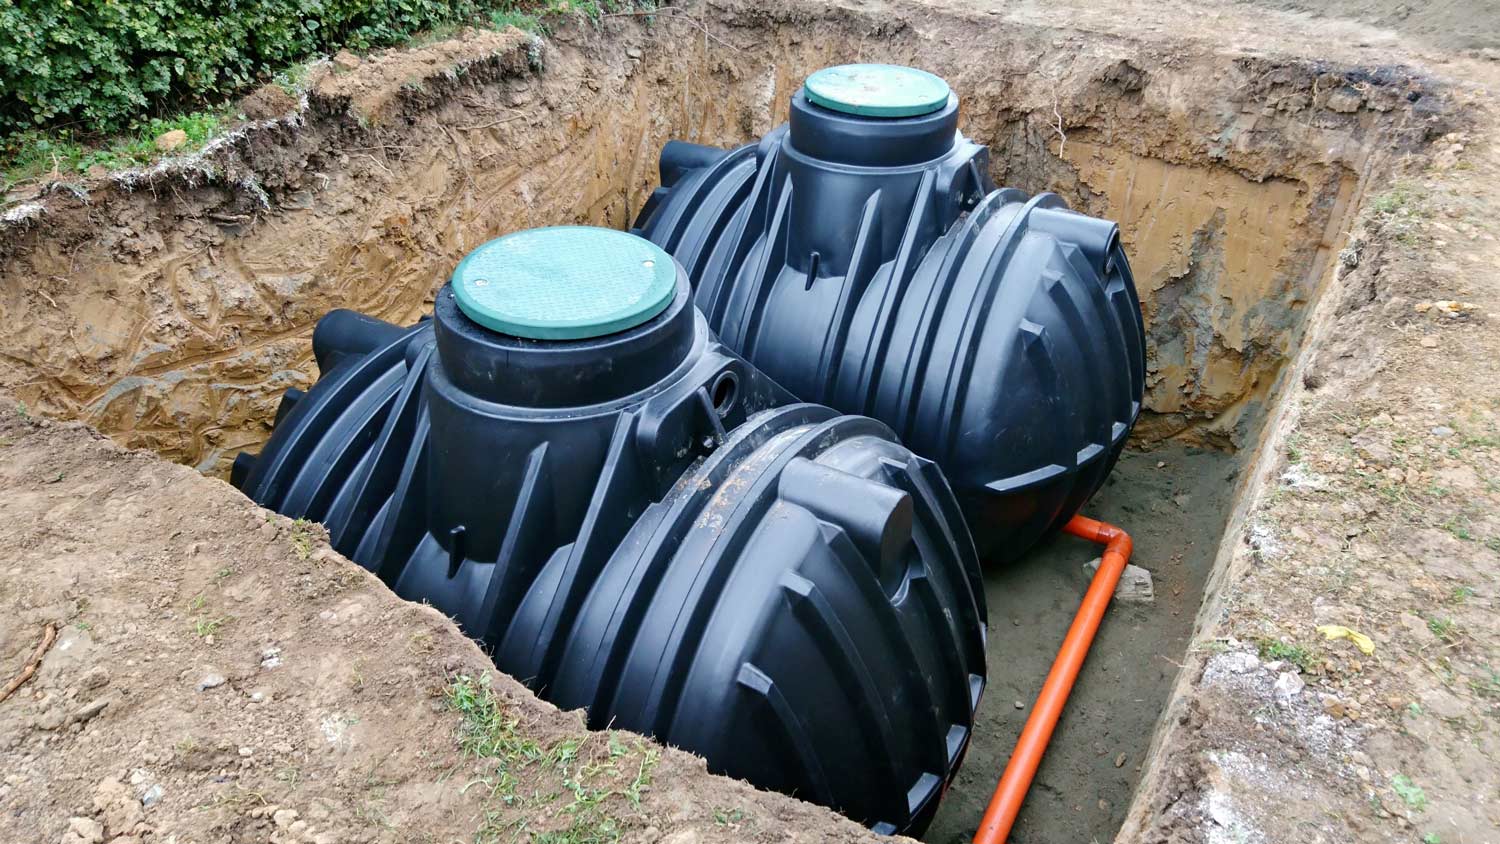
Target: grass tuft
(64, 155)
(1275, 649)
(1410, 793)
(569, 792)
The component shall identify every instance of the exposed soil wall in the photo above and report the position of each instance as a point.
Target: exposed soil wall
(171, 308)
(1370, 507)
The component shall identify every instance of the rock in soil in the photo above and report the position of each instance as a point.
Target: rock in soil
(168, 141)
(1135, 585)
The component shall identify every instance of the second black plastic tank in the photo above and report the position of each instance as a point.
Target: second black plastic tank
(637, 522)
(861, 256)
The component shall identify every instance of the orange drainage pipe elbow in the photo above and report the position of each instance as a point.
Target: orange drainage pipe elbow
(1019, 772)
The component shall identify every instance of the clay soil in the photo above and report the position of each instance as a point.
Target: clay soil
(219, 674)
(1309, 203)
(1373, 509)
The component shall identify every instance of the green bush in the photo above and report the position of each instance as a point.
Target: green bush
(105, 64)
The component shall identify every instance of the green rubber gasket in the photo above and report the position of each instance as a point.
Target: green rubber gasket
(877, 90)
(565, 283)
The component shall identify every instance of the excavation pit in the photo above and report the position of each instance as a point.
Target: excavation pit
(171, 309)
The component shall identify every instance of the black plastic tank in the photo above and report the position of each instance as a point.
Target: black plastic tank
(862, 257)
(637, 522)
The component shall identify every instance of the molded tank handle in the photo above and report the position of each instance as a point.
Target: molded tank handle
(877, 518)
(1098, 239)
(344, 332)
(678, 157)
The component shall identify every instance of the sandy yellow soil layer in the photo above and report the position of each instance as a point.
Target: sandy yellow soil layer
(171, 307)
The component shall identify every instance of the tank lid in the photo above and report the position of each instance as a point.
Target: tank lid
(877, 90)
(565, 283)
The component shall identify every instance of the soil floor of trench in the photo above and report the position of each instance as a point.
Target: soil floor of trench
(1175, 501)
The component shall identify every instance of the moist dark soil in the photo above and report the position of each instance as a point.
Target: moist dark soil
(1174, 501)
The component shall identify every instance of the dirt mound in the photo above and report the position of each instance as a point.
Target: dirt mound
(219, 674)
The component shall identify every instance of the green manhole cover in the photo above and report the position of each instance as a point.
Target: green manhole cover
(877, 90)
(565, 283)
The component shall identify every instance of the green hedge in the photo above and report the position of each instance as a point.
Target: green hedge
(101, 65)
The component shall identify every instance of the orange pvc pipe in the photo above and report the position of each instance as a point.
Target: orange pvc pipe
(1019, 772)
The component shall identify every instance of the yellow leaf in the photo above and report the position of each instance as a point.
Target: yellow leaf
(1338, 631)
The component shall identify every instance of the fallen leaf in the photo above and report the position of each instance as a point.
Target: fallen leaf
(1339, 631)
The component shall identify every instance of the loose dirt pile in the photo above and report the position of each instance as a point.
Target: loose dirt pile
(219, 674)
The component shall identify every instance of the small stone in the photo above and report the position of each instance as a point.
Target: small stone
(1442, 431)
(97, 677)
(210, 681)
(257, 697)
(1120, 761)
(247, 752)
(633, 52)
(1020, 705)
(51, 719)
(1332, 705)
(345, 60)
(270, 658)
(90, 710)
(86, 829)
(297, 828)
(1239, 662)
(1344, 101)
(328, 616)
(1429, 342)
(153, 796)
(1135, 585)
(284, 818)
(118, 804)
(168, 141)
(328, 838)
(1288, 685)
